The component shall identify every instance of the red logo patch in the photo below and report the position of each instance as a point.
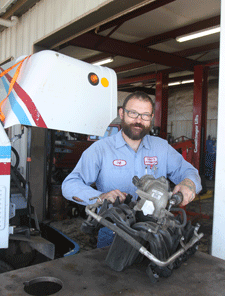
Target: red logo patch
(119, 162)
(150, 160)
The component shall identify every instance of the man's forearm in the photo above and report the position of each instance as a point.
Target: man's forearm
(187, 188)
(189, 184)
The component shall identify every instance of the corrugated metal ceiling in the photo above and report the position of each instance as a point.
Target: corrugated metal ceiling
(142, 41)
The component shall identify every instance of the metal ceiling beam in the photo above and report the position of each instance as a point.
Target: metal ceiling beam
(214, 21)
(199, 49)
(19, 8)
(181, 78)
(183, 53)
(142, 10)
(97, 57)
(131, 66)
(189, 77)
(125, 49)
(212, 63)
(126, 84)
(209, 63)
(149, 91)
(136, 79)
(151, 76)
(127, 67)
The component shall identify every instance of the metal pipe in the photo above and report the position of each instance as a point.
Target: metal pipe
(135, 244)
(7, 23)
(5, 5)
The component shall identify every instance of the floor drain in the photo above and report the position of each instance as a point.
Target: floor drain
(42, 286)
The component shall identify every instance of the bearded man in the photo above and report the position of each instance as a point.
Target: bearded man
(112, 162)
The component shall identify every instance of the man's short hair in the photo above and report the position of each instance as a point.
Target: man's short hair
(139, 95)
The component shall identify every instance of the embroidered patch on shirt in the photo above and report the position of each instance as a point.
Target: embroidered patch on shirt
(119, 162)
(150, 160)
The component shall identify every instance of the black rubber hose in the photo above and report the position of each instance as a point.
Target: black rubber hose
(184, 216)
(16, 156)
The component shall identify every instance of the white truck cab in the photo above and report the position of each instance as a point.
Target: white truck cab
(51, 91)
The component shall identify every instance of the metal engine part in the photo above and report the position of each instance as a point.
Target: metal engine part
(146, 228)
(153, 195)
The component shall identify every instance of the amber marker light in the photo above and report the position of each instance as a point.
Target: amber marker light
(93, 78)
(105, 82)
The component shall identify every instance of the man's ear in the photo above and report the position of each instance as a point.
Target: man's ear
(121, 113)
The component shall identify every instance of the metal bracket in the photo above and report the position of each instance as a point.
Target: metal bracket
(12, 210)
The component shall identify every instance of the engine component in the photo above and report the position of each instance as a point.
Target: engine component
(146, 228)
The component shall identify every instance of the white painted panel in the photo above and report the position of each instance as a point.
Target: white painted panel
(184, 128)
(218, 237)
(212, 128)
(59, 95)
(4, 211)
(3, 199)
(42, 19)
(5, 160)
(180, 111)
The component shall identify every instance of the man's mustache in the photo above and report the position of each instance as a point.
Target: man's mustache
(137, 125)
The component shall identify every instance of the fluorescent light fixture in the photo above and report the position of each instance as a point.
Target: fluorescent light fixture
(180, 82)
(174, 83)
(187, 81)
(137, 84)
(102, 62)
(199, 34)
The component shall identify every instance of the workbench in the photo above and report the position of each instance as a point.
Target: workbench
(87, 274)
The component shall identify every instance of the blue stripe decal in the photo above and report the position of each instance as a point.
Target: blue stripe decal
(5, 151)
(16, 108)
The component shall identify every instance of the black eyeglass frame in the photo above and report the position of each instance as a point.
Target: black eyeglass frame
(138, 114)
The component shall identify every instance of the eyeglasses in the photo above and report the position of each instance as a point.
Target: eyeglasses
(134, 114)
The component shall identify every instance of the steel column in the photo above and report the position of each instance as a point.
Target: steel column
(161, 103)
(200, 115)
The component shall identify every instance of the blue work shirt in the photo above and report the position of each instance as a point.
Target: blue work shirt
(111, 164)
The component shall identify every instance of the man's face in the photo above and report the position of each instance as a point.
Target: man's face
(136, 128)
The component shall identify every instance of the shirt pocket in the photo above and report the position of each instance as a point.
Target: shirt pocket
(121, 171)
(115, 178)
(121, 175)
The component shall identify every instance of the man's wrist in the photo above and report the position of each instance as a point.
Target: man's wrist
(189, 184)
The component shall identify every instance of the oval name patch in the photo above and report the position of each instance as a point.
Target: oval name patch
(119, 162)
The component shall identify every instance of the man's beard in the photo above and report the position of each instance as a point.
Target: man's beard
(129, 131)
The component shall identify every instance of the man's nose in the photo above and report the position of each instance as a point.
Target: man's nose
(139, 119)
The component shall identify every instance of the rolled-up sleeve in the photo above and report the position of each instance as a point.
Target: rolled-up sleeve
(179, 169)
(78, 182)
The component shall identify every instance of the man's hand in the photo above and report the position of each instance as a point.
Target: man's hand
(187, 188)
(112, 195)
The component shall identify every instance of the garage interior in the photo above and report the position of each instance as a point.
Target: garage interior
(146, 56)
(182, 78)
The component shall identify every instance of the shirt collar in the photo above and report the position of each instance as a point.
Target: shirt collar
(120, 142)
(146, 142)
